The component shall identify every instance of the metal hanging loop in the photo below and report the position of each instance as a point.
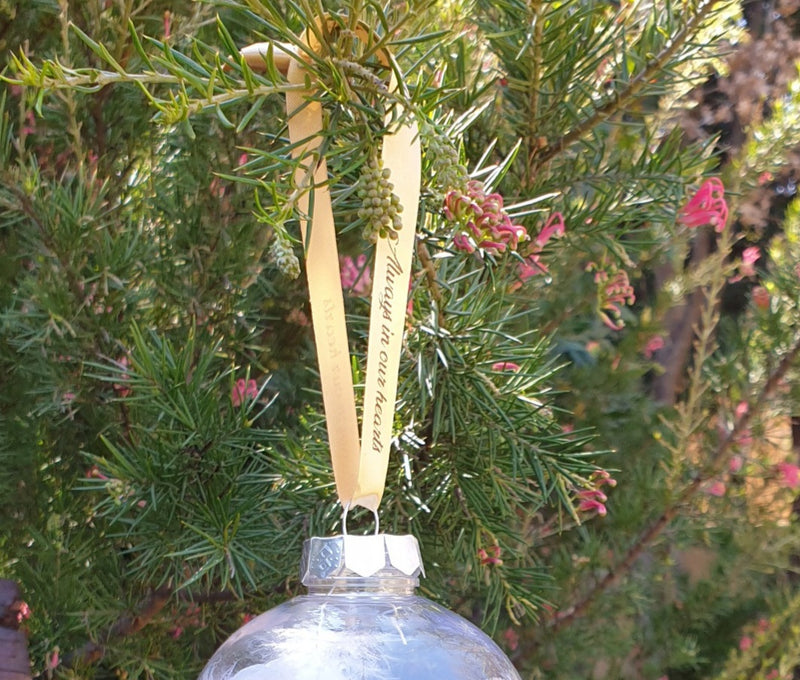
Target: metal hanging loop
(346, 509)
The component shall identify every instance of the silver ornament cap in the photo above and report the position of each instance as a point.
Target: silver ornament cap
(344, 557)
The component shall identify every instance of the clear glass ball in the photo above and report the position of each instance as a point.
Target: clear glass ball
(359, 628)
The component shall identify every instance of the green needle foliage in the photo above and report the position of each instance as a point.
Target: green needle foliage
(576, 320)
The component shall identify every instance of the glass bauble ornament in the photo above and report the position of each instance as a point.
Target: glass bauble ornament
(360, 620)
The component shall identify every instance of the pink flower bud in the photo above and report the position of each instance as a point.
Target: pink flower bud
(592, 506)
(592, 494)
(653, 345)
(761, 297)
(553, 227)
(601, 477)
(490, 556)
(243, 390)
(462, 242)
(505, 366)
(493, 245)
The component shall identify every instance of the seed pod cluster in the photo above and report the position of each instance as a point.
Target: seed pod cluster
(380, 207)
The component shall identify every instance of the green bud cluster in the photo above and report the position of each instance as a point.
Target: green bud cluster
(445, 164)
(359, 71)
(284, 256)
(380, 207)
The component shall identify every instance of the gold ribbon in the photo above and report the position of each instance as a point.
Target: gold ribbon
(359, 464)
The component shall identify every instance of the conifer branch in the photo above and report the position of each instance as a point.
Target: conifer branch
(94, 651)
(619, 100)
(535, 85)
(26, 206)
(53, 76)
(652, 532)
(128, 624)
(68, 96)
(498, 361)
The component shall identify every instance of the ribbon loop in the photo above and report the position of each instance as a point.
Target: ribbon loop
(359, 463)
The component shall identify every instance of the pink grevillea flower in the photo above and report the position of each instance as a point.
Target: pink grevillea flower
(789, 475)
(613, 291)
(243, 390)
(533, 265)
(590, 505)
(490, 556)
(355, 274)
(298, 317)
(653, 345)
(716, 488)
(746, 267)
(592, 499)
(602, 477)
(592, 495)
(30, 128)
(750, 256)
(554, 227)
(463, 242)
(505, 366)
(511, 638)
(216, 188)
(735, 464)
(121, 388)
(617, 291)
(94, 473)
(745, 643)
(741, 409)
(484, 220)
(745, 438)
(23, 612)
(707, 206)
(761, 297)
